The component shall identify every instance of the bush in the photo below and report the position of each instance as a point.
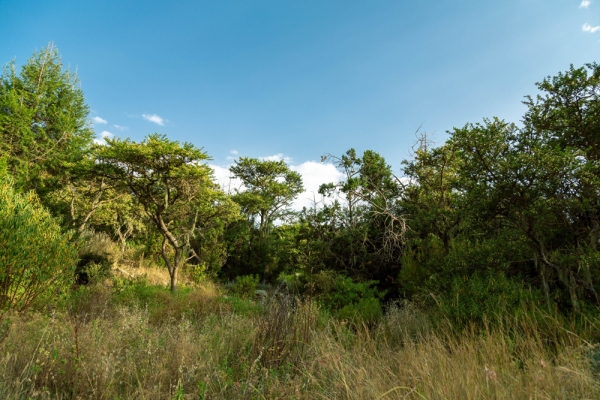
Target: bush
(358, 302)
(480, 298)
(245, 286)
(37, 259)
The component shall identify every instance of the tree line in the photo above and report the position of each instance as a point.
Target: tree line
(498, 213)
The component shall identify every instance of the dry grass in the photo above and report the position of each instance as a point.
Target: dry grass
(112, 351)
(494, 365)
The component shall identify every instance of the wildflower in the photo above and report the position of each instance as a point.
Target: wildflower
(490, 374)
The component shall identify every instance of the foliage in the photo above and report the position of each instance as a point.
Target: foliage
(245, 286)
(170, 345)
(497, 198)
(498, 218)
(477, 299)
(257, 244)
(269, 187)
(44, 127)
(37, 259)
(172, 185)
(359, 302)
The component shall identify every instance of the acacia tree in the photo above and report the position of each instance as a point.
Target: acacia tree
(269, 188)
(173, 186)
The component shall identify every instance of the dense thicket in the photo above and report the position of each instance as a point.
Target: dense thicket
(499, 213)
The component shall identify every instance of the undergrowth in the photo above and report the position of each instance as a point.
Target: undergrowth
(137, 341)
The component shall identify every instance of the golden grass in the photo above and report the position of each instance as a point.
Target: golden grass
(109, 352)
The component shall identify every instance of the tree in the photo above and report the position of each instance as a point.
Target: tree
(37, 259)
(513, 178)
(371, 232)
(269, 188)
(174, 187)
(44, 125)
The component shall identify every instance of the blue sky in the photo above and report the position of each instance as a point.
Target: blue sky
(303, 78)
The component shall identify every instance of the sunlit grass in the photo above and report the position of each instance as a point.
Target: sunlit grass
(154, 345)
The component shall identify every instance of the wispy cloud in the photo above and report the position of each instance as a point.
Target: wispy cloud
(98, 120)
(585, 4)
(233, 155)
(121, 128)
(154, 118)
(590, 29)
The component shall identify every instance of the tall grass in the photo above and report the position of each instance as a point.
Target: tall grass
(198, 346)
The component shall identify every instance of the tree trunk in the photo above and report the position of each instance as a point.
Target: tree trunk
(173, 276)
(172, 267)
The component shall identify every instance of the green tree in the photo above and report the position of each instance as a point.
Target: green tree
(544, 190)
(174, 187)
(44, 125)
(37, 260)
(365, 233)
(269, 188)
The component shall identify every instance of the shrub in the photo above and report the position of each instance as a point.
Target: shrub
(245, 286)
(480, 298)
(358, 302)
(37, 259)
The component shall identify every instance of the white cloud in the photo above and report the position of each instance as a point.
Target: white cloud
(121, 128)
(314, 174)
(103, 135)
(276, 157)
(154, 118)
(585, 4)
(224, 179)
(590, 29)
(98, 120)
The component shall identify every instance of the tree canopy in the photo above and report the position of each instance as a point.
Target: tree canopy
(44, 123)
(170, 182)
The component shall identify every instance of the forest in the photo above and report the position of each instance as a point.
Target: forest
(127, 272)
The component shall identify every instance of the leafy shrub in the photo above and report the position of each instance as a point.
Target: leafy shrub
(100, 244)
(366, 311)
(197, 273)
(37, 259)
(91, 268)
(480, 298)
(245, 286)
(358, 302)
